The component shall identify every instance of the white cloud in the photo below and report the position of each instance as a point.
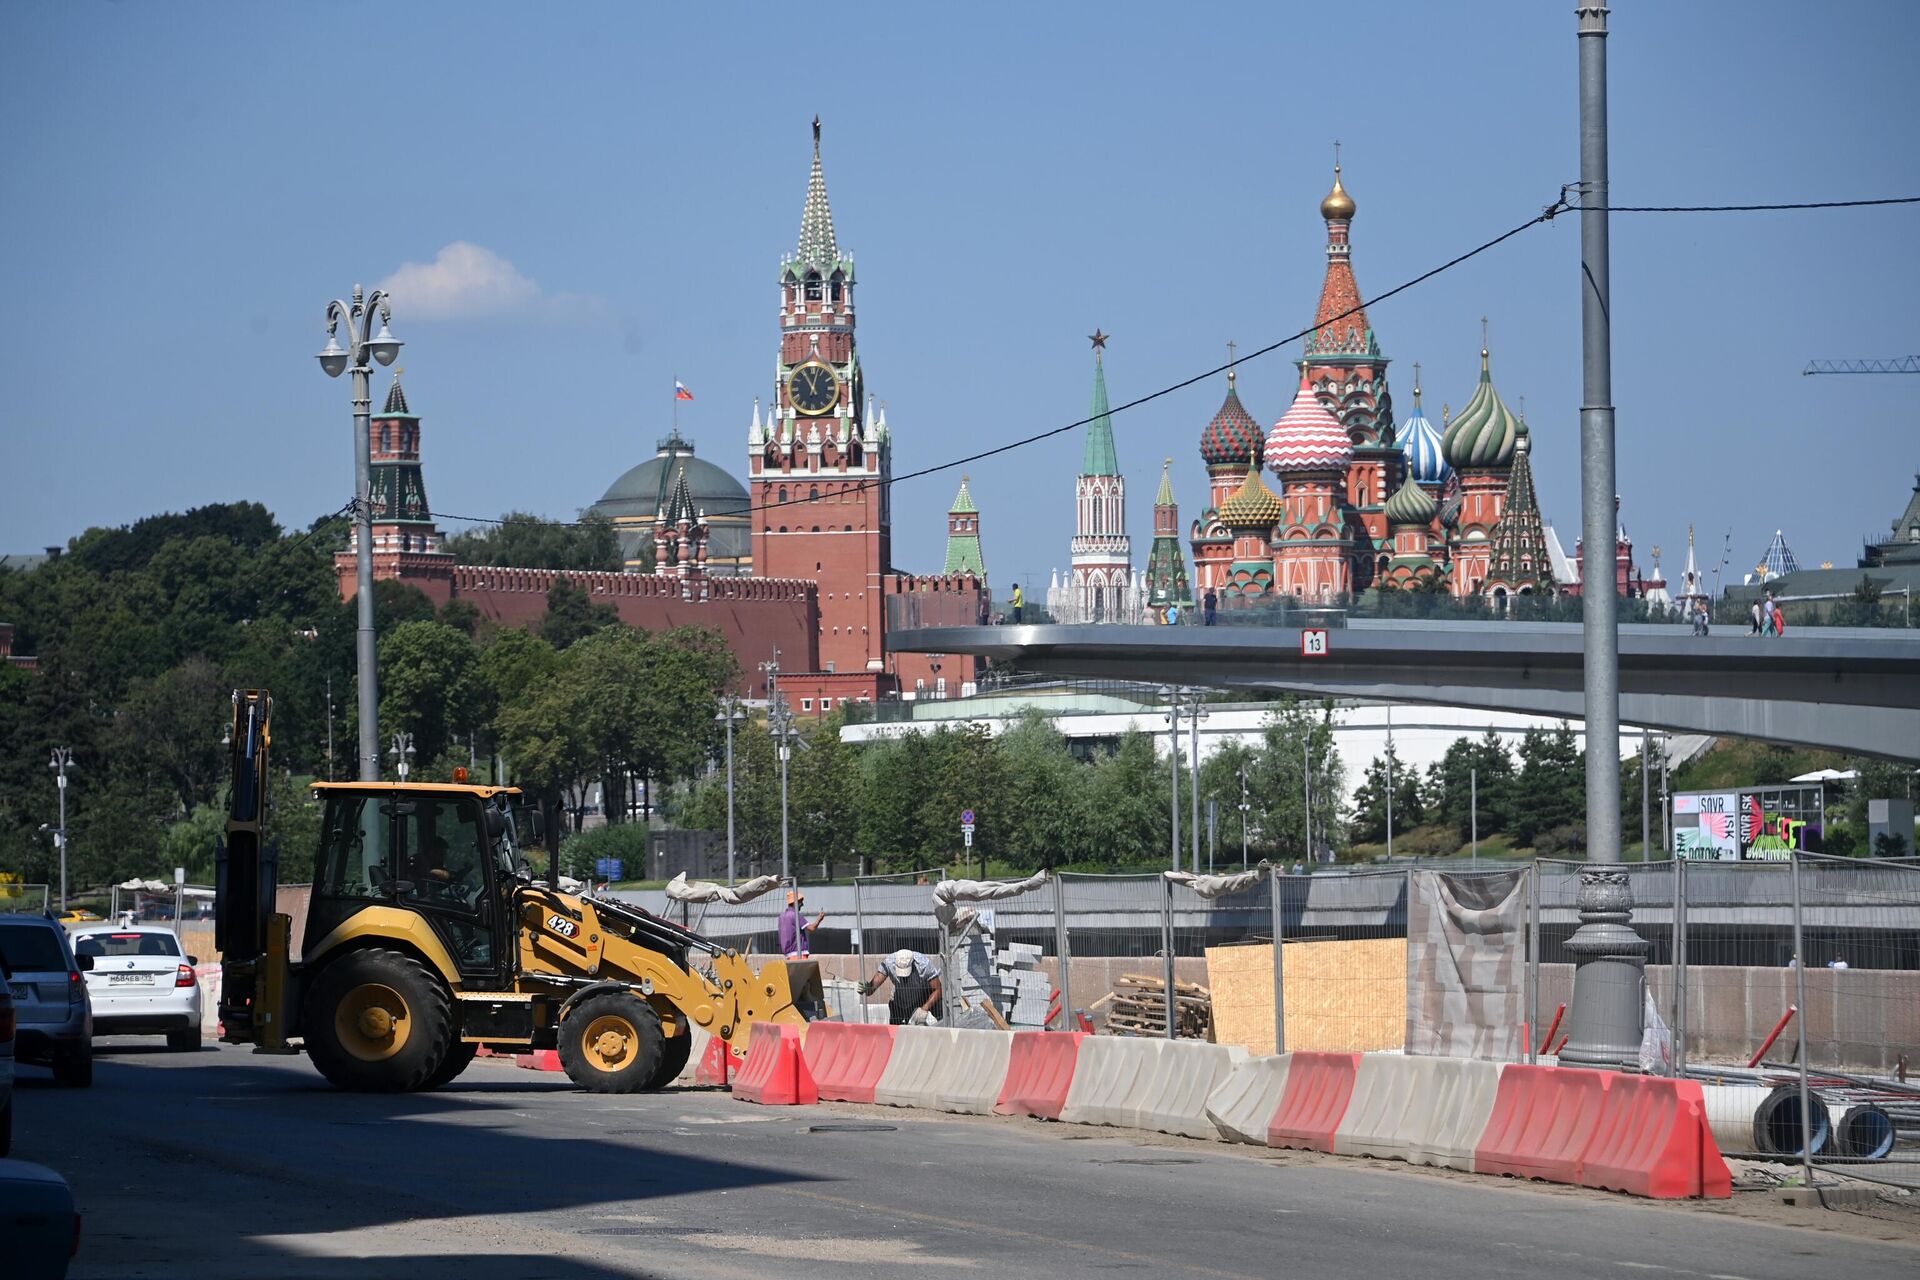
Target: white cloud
(467, 281)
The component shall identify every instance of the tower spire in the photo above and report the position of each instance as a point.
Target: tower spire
(818, 247)
(1100, 458)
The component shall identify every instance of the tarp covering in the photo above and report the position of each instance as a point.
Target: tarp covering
(680, 889)
(1220, 886)
(146, 886)
(949, 892)
(1466, 958)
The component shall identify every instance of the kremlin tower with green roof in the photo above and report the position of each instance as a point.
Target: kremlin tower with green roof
(1167, 581)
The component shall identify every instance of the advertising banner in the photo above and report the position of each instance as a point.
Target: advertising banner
(1706, 825)
(1774, 821)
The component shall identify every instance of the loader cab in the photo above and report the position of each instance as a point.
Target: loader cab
(446, 853)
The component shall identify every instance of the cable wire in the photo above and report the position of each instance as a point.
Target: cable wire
(1565, 204)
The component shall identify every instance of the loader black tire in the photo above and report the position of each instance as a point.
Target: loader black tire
(612, 1043)
(673, 1060)
(378, 1022)
(460, 1055)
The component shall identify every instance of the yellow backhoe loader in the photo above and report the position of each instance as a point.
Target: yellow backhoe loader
(427, 936)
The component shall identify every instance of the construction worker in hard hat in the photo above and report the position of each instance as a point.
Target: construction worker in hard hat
(794, 928)
(916, 988)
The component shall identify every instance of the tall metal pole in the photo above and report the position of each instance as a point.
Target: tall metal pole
(362, 345)
(1389, 784)
(731, 712)
(1666, 799)
(786, 750)
(1244, 806)
(1194, 714)
(1473, 821)
(61, 762)
(365, 650)
(1275, 881)
(1306, 783)
(1609, 982)
(1800, 1023)
(1646, 799)
(1173, 753)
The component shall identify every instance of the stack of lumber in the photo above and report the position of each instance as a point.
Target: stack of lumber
(1138, 1007)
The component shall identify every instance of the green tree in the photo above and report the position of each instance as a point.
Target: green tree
(169, 728)
(1550, 791)
(524, 541)
(1130, 812)
(430, 685)
(1297, 748)
(1368, 824)
(1473, 766)
(572, 615)
(1042, 813)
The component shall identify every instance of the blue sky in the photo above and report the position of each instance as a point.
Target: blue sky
(186, 185)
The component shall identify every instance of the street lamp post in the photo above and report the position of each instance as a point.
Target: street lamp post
(61, 762)
(780, 723)
(362, 344)
(1605, 1019)
(1389, 784)
(731, 713)
(403, 754)
(1172, 718)
(1195, 714)
(1244, 806)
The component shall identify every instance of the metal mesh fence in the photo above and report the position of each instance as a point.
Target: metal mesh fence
(32, 898)
(1115, 931)
(895, 911)
(1556, 917)
(1344, 957)
(1228, 997)
(1857, 987)
(997, 961)
(751, 928)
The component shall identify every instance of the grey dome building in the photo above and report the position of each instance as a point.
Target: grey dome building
(634, 500)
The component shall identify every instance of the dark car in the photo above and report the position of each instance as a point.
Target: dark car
(6, 1062)
(53, 1018)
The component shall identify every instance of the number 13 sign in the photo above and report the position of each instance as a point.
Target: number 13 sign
(1313, 644)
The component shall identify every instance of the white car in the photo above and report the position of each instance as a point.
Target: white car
(141, 984)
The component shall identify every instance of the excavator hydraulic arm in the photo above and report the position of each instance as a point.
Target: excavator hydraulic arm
(594, 937)
(251, 938)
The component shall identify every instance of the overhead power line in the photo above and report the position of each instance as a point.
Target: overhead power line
(1566, 203)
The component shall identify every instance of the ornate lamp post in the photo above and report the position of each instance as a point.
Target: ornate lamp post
(1605, 1019)
(731, 714)
(61, 762)
(383, 347)
(403, 754)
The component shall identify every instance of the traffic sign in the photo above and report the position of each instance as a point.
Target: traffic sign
(966, 817)
(1313, 643)
(968, 832)
(609, 868)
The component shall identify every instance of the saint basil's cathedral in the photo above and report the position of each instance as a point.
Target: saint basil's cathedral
(1359, 503)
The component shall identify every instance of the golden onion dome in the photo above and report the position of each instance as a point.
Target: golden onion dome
(1255, 506)
(1338, 205)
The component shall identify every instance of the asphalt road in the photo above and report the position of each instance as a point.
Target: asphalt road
(227, 1164)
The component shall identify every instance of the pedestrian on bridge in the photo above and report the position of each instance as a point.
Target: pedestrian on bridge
(1756, 616)
(1212, 604)
(1019, 603)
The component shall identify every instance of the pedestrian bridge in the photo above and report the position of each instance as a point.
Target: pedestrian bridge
(1849, 689)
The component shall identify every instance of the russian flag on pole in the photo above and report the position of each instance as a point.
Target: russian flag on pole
(680, 391)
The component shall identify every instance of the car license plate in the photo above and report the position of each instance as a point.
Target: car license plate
(115, 979)
(20, 990)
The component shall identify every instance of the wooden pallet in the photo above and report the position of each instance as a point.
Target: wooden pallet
(1138, 1007)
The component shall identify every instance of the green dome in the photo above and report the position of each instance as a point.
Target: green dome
(1482, 435)
(1412, 505)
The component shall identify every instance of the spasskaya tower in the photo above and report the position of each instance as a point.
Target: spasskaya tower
(820, 460)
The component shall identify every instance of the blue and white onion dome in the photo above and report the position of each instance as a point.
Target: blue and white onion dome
(1420, 441)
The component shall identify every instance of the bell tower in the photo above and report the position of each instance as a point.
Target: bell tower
(819, 464)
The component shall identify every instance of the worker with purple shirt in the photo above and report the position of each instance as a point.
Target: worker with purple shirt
(794, 929)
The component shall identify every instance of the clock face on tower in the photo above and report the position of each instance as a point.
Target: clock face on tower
(813, 388)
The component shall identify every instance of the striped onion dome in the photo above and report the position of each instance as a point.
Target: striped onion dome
(1483, 434)
(1308, 438)
(1233, 435)
(1426, 460)
(1412, 505)
(1255, 506)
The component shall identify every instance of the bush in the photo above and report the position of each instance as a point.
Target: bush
(1568, 840)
